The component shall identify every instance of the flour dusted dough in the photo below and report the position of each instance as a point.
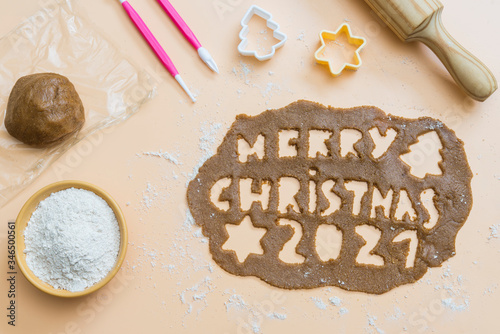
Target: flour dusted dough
(453, 199)
(43, 109)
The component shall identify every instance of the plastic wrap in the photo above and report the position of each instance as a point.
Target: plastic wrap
(59, 39)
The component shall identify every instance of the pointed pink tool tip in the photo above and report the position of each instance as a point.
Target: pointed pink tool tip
(207, 58)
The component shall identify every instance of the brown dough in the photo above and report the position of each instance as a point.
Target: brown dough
(453, 198)
(43, 109)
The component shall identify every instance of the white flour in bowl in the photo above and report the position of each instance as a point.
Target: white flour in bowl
(72, 239)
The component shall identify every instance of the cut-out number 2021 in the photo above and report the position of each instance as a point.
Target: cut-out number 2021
(329, 236)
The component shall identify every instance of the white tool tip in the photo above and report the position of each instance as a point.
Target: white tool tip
(207, 58)
(184, 86)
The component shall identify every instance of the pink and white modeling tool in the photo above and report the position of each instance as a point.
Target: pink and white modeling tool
(162, 55)
(188, 34)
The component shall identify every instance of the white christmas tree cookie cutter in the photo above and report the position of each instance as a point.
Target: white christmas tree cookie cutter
(256, 10)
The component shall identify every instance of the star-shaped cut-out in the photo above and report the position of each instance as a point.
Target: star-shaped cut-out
(244, 239)
(332, 36)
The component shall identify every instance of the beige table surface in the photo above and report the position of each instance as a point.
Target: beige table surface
(169, 282)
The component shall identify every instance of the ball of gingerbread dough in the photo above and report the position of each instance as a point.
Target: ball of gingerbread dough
(43, 109)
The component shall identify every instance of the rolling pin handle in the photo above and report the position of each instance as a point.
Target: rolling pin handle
(468, 71)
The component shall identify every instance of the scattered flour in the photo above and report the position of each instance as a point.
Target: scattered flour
(491, 289)
(165, 155)
(335, 301)
(206, 145)
(278, 316)
(149, 195)
(195, 296)
(235, 302)
(243, 72)
(454, 295)
(494, 231)
(371, 322)
(397, 315)
(72, 239)
(318, 302)
(450, 303)
(251, 315)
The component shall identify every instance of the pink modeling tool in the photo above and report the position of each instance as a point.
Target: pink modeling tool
(162, 55)
(189, 35)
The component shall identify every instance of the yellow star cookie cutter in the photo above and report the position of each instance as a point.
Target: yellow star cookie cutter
(354, 40)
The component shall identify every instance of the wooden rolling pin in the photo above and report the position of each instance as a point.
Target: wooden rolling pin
(420, 20)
